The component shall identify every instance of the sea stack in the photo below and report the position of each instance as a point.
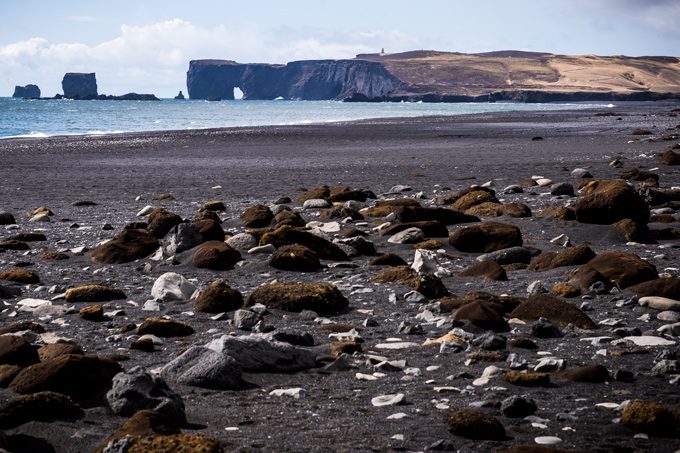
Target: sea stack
(79, 85)
(180, 96)
(27, 92)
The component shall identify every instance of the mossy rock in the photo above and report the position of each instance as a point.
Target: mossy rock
(324, 299)
(527, 378)
(650, 418)
(93, 293)
(19, 276)
(475, 424)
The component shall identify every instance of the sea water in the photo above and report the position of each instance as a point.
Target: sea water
(44, 118)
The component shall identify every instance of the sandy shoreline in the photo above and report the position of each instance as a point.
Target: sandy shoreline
(241, 167)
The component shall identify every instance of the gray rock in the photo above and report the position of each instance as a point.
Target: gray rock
(172, 286)
(666, 315)
(138, 389)
(362, 245)
(518, 407)
(510, 255)
(40, 218)
(415, 296)
(256, 353)
(562, 188)
(399, 188)
(204, 367)
(408, 236)
(489, 342)
(181, 238)
(245, 319)
(543, 328)
(581, 173)
(666, 367)
(388, 400)
(242, 241)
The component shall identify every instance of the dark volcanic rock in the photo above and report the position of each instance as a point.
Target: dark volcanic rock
(662, 287)
(180, 96)
(215, 255)
(295, 257)
(488, 270)
(486, 237)
(79, 85)
(483, 315)
(209, 229)
(41, 406)
(93, 293)
(161, 221)
(608, 201)
(162, 327)
(6, 218)
(27, 92)
(553, 309)
(142, 423)
(13, 244)
(428, 285)
(257, 216)
(475, 424)
(572, 256)
(218, 297)
(323, 299)
(595, 374)
(430, 228)
(78, 376)
(50, 351)
(388, 259)
(622, 268)
(287, 235)
(408, 214)
(128, 245)
(670, 157)
(14, 350)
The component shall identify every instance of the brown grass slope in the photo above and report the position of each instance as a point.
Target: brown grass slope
(479, 74)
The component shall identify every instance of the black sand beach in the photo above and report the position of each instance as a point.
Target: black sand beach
(433, 156)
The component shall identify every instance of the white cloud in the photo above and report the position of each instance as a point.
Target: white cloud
(154, 58)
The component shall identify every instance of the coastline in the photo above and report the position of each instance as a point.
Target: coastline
(123, 173)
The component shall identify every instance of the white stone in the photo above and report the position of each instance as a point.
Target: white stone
(40, 218)
(660, 303)
(365, 377)
(670, 329)
(262, 249)
(242, 241)
(146, 210)
(31, 304)
(544, 182)
(607, 405)
(324, 227)
(316, 203)
(407, 236)
(151, 305)
(396, 345)
(154, 339)
(547, 440)
(399, 188)
(295, 392)
(397, 416)
(172, 286)
(649, 340)
(388, 400)
(549, 364)
(668, 316)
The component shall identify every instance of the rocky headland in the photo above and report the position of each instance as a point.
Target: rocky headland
(27, 92)
(431, 76)
(495, 282)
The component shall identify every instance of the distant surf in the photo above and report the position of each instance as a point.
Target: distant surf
(45, 118)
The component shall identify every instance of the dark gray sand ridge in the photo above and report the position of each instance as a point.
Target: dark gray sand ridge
(334, 411)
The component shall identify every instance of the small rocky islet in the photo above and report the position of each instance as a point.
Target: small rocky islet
(540, 315)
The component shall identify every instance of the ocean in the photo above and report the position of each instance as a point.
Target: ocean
(44, 118)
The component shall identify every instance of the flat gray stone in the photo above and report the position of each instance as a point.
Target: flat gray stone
(204, 367)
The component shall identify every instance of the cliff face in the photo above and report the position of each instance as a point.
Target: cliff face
(79, 85)
(308, 80)
(431, 76)
(26, 92)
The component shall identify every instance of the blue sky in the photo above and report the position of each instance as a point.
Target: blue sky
(145, 46)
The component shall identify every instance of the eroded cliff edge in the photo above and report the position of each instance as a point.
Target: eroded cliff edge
(431, 76)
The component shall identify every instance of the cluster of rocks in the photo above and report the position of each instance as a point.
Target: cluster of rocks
(456, 294)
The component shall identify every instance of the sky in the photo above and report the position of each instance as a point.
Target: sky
(145, 46)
